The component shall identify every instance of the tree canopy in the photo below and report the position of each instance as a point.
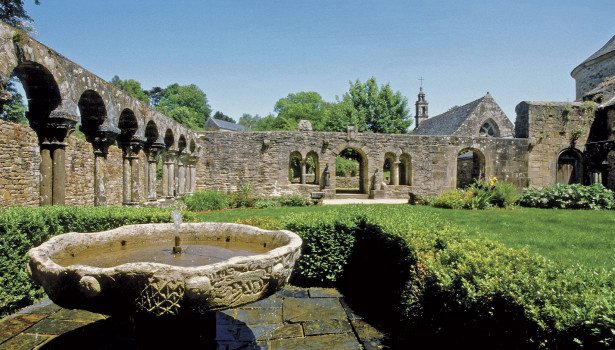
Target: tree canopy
(301, 106)
(13, 13)
(14, 110)
(384, 111)
(189, 96)
(221, 116)
(131, 87)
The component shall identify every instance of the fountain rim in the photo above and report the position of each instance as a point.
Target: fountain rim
(42, 253)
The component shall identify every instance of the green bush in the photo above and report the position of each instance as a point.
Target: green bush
(264, 204)
(451, 199)
(575, 196)
(504, 195)
(433, 287)
(481, 194)
(294, 200)
(25, 228)
(206, 200)
(346, 167)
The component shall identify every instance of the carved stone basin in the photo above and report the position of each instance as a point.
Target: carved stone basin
(248, 264)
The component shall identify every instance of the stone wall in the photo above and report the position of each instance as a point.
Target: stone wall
(20, 169)
(262, 159)
(589, 75)
(549, 127)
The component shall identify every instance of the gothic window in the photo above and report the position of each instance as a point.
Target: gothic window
(488, 130)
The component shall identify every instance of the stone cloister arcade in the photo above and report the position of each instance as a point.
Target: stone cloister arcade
(63, 96)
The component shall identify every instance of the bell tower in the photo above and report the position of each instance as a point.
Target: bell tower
(421, 107)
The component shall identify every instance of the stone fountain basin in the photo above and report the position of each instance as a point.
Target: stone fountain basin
(159, 289)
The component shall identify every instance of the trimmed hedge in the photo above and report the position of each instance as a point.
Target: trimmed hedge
(24, 228)
(424, 280)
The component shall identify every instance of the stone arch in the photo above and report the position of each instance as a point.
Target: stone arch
(154, 145)
(181, 143)
(405, 169)
(312, 168)
(169, 139)
(489, 128)
(44, 102)
(192, 146)
(569, 167)
(131, 146)
(353, 152)
(41, 89)
(389, 168)
(128, 125)
(294, 167)
(470, 166)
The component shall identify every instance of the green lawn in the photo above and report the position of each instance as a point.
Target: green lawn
(585, 237)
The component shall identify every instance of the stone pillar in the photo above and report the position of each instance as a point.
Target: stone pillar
(170, 167)
(101, 139)
(46, 175)
(153, 152)
(395, 173)
(52, 132)
(165, 177)
(126, 175)
(134, 174)
(192, 182)
(303, 171)
(181, 173)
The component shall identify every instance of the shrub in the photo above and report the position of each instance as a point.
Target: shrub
(575, 196)
(481, 194)
(451, 199)
(206, 200)
(434, 287)
(346, 167)
(504, 195)
(25, 228)
(264, 204)
(294, 200)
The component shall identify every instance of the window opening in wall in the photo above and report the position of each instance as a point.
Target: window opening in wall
(470, 166)
(405, 170)
(350, 172)
(311, 168)
(294, 168)
(487, 129)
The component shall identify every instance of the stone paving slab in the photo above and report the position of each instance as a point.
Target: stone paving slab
(293, 318)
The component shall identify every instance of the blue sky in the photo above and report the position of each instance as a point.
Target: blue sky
(245, 55)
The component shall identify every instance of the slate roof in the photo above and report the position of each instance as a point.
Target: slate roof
(448, 122)
(223, 124)
(606, 49)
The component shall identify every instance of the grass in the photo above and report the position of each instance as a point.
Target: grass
(583, 237)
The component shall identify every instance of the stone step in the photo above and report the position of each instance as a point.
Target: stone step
(351, 196)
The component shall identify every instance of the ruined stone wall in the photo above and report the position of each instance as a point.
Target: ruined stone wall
(262, 159)
(549, 127)
(20, 169)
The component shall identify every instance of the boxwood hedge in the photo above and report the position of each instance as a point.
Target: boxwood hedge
(430, 285)
(24, 228)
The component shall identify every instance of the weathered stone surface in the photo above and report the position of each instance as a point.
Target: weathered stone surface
(301, 310)
(24, 342)
(12, 326)
(344, 341)
(324, 293)
(332, 326)
(164, 290)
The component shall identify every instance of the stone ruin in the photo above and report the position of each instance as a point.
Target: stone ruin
(126, 142)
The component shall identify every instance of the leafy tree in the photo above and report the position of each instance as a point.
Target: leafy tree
(384, 111)
(250, 121)
(270, 122)
(189, 96)
(186, 116)
(154, 95)
(13, 13)
(131, 87)
(342, 114)
(301, 106)
(221, 116)
(14, 110)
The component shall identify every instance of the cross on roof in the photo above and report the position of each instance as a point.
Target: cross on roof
(421, 79)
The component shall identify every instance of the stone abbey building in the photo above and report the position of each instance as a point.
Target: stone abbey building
(125, 142)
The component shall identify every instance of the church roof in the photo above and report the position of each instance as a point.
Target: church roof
(223, 124)
(606, 49)
(449, 122)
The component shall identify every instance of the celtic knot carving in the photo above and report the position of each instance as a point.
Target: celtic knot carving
(161, 295)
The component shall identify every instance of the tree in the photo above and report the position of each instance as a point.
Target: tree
(384, 111)
(342, 114)
(14, 110)
(301, 106)
(189, 96)
(221, 116)
(154, 95)
(249, 121)
(131, 87)
(13, 13)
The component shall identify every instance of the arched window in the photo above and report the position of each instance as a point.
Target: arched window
(489, 128)
(312, 168)
(470, 166)
(294, 167)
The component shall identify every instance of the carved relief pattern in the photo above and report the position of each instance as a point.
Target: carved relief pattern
(161, 296)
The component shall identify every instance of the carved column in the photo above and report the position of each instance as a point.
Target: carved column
(192, 175)
(181, 174)
(126, 175)
(395, 173)
(303, 171)
(169, 165)
(153, 152)
(101, 139)
(52, 133)
(130, 152)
